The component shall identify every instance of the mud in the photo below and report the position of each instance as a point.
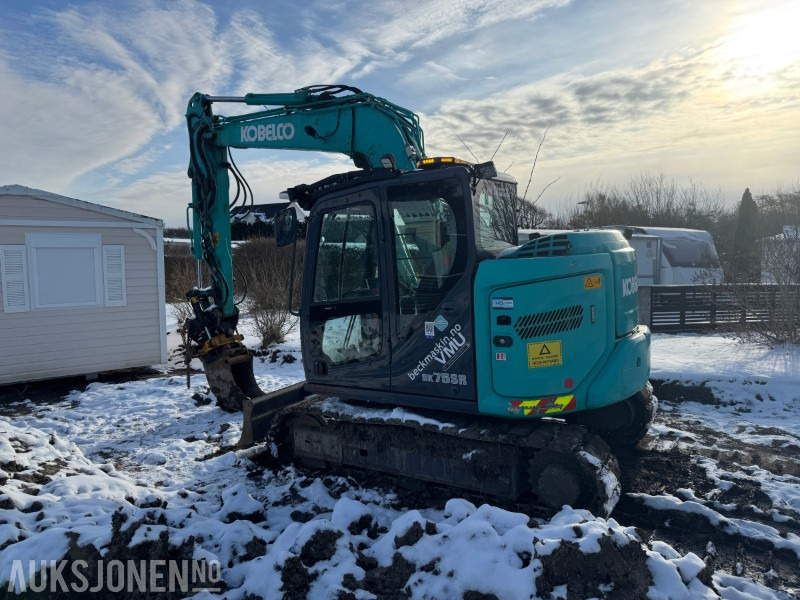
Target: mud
(56, 390)
(674, 467)
(118, 550)
(673, 464)
(616, 571)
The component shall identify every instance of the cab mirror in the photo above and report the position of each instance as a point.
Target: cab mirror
(285, 227)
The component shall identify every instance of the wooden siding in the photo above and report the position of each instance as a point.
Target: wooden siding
(42, 344)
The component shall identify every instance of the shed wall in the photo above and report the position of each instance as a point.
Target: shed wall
(47, 343)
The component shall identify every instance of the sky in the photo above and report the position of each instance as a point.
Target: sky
(94, 93)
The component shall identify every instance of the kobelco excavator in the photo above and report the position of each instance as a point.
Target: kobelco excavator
(507, 365)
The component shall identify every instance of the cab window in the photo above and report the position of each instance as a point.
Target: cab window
(430, 244)
(346, 279)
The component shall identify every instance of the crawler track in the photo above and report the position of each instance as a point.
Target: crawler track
(540, 464)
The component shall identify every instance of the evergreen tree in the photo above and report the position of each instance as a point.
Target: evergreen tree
(745, 248)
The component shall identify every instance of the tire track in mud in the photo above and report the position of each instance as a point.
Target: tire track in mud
(716, 482)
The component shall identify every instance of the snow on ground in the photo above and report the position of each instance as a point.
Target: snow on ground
(754, 398)
(147, 468)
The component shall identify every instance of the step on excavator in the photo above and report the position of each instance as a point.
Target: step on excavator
(436, 349)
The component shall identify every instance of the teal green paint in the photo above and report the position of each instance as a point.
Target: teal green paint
(606, 365)
(367, 126)
(362, 126)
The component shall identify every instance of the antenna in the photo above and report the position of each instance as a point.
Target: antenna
(545, 189)
(500, 144)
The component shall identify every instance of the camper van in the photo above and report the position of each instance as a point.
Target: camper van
(664, 255)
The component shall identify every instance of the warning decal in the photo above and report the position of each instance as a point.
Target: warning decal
(593, 282)
(544, 354)
(544, 406)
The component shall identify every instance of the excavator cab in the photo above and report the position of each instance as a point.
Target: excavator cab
(393, 258)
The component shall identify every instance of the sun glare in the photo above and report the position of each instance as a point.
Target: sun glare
(760, 44)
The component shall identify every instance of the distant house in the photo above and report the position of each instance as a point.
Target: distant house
(82, 287)
(780, 256)
(261, 213)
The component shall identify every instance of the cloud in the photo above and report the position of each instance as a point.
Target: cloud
(99, 86)
(97, 89)
(389, 35)
(166, 194)
(58, 133)
(135, 164)
(420, 25)
(672, 114)
(97, 83)
(158, 54)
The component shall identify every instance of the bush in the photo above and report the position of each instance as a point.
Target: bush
(180, 271)
(263, 273)
(648, 200)
(272, 326)
(261, 283)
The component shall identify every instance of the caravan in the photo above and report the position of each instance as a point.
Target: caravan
(664, 255)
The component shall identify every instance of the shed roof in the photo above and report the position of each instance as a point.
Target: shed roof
(21, 190)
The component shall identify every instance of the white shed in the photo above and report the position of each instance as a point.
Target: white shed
(82, 287)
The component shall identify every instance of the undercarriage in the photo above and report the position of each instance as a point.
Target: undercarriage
(542, 463)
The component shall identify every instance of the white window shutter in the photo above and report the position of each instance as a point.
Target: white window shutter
(114, 275)
(14, 274)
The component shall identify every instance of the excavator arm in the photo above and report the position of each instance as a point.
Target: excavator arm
(323, 118)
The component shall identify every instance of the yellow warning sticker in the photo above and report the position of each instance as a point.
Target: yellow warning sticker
(544, 354)
(593, 282)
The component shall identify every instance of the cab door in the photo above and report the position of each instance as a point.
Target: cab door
(431, 260)
(344, 327)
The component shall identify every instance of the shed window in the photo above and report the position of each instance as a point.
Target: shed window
(61, 271)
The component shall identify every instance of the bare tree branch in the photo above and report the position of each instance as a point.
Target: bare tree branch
(545, 189)
(535, 158)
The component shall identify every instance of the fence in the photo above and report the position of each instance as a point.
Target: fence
(703, 307)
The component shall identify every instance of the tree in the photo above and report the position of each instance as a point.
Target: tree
(649, 200)
(530, 216)
(745, 249)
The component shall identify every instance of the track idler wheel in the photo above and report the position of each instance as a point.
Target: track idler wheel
(584, 476)
(559, 484)
(623, 423)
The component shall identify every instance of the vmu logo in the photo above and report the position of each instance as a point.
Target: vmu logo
(630, 285)
(270, 133)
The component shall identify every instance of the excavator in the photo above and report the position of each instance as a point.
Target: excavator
(437, 351)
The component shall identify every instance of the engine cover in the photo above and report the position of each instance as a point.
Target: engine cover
(556, 331)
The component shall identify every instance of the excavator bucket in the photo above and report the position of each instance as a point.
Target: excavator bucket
(229, 370)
